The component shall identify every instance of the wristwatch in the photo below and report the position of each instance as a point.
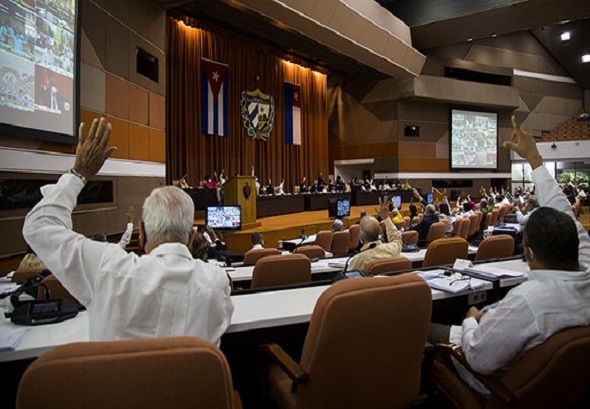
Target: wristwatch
(78, 174)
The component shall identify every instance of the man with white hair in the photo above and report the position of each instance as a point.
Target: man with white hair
(162, 293)
(372, 247)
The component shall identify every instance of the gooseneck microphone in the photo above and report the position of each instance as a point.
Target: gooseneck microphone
(371, 246)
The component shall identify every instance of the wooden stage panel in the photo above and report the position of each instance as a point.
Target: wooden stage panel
(288, 226)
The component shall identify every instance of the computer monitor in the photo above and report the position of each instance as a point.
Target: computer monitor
(224, 217)
(397, 201)
(338, 208)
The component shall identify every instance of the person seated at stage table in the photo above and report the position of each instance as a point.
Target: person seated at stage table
(270, 189)
(339, 185)
(281, 188)
(220, 180)
(321, 183)
(330, 187)
(430, 217)
(372, 247)
(385, 185)
(303, 186)
(257, 241)
(315, 187)
(165, 292)
(555, 296)
(209, 183)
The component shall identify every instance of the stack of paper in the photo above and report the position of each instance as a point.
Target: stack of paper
(492, 272)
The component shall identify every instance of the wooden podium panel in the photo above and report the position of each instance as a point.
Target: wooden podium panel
(235, 195)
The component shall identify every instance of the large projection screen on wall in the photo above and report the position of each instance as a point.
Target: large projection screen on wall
(38, 69)
(474, 140)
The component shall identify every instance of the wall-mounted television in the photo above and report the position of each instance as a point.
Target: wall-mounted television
(39, 69)
(224, 217)
(474, 139)
(338, 208)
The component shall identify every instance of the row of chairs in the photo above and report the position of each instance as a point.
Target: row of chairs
(379, 366)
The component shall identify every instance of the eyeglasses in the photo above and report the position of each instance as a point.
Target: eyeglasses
(462, 278)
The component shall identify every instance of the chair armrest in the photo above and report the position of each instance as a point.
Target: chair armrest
(496, 387)
(286, 363)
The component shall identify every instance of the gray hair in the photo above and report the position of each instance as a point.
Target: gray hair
(369, 228)
(168, 215)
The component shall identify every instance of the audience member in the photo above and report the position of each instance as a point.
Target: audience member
(199, 246)
(30, 261)
(337, 225)
(257, 241)
(531, 205)
(430, 217)
(556, 294)
(163, 293)
(372, 247)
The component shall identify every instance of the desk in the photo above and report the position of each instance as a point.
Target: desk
(511, 265)
(203, 197)
(276, 205)
(319, 201)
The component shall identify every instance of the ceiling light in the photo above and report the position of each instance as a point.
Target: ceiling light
(565, 36)
(586, 58)
(469, 40)
(494, 35)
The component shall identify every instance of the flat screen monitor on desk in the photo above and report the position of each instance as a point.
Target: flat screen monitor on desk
(224, 217)
(338, 208)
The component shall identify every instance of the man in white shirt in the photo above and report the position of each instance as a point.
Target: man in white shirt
(557, 293)
(162, 293)
(532, 204)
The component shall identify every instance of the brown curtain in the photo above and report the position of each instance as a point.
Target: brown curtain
(191, 152)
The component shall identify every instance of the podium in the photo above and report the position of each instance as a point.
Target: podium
(235, 194)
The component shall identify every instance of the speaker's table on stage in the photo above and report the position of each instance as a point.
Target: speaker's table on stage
(202, 198)
(271, 205)
(319, 201)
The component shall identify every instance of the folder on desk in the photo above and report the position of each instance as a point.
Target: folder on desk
(488, 272)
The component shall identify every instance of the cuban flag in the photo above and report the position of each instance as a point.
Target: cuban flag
(292, 114)
(214, 104)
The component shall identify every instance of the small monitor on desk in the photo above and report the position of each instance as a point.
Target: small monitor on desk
(338, 208)
(224, 217)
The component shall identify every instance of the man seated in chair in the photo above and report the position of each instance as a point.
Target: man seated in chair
(162, 293)
(556, 295)
(430, 217)
(257, 239)
(372, 247)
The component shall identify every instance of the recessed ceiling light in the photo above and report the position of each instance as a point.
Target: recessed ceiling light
(469, 40)
(494, 35)
(565, 36)
(586, 58)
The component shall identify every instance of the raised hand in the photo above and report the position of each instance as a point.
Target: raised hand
(524, 144)
(91, 152)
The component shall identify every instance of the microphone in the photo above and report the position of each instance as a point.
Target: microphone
(371, 246)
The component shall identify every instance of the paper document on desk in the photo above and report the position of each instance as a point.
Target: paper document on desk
(492, 272)
(10, 337)
(337, 264)
(454, 285)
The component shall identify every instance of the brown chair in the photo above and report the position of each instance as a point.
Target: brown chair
(312, 251)
(354, 237)
(175, 372)
(487, 221)
(56, 290)
(463, 228)
(554, 374)
(363, 348)
(445, 251)
(391, 265)
(273, 271)
(437, 230)
(340, 243)
(410, 237)
(20, 276)
(253, 255)
(480, 216)
(498, 246)
(473, 226)
(324, 239)
(494, 219)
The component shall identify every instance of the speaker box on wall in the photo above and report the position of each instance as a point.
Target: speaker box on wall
(411, 130)
(147, 64)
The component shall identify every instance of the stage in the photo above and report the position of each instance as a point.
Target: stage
(289, 226)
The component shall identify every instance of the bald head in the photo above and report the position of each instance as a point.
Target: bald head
(430, 209)
(369, 229)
